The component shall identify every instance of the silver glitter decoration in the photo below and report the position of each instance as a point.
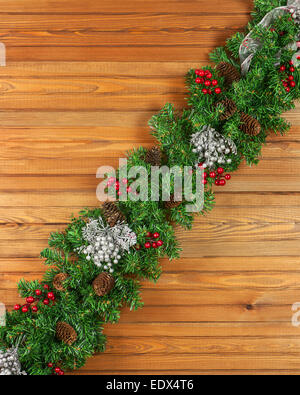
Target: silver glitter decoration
(10, 364)
(106, 244)
(212, 147)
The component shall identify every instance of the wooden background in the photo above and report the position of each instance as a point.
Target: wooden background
(82, 80)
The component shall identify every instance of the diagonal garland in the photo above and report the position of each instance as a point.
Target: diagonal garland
(97, 263)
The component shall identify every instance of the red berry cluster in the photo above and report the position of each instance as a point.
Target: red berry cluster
(44, 295)
(112, 181)
(204, 78)
(56, 371)
(153, 242)
(288, 82)
(220, 178)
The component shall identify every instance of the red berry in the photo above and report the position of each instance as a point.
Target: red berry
(285, 83)
(34, 309)
(50, 365)
(222, 183)
(291, 77)
(292, 84)
(218, 91)
(50, 295)
(204, 182)
(38, 292)
(46, 286)
(147, 245)
(160, 243)
(17, 307)
(220, 170)
(197, 72)
(291, 63)
(212, 174)
(57, 370)
(208, 74)
(281, 33)
(282, 68)
(287, 89)
(46, 302)
(228, 177)
(138, 247)
(156, 235)
(209, 92)
(217, 182)
(200, 165)
(61, 373)
(214, 82)
(201, 80)
(129, 189)
(25, 309)
(201, 73)
(119, 193)
(154, 245)
(292, 69)
(117, 187)
(207, 83)
(205, 175)
(30, 299)
(148, 234)
(204, 91)
(198, 80)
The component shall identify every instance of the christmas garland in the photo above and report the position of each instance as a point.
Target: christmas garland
(97, 263)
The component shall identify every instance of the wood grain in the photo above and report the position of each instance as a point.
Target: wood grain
(81, 82)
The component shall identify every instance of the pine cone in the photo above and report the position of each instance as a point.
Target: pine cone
(58, 281)
(249, 125)
(229, 109)
(112, 214)
(103, 284)
(172, 203)
(228, 71)
(153, 156)
(65, 333)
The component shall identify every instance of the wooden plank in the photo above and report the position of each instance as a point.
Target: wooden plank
(119, 6)
(127, 69)
(240, 216)
(73, 200)
(187, 372)
(63, 183)
(286, 292)
(123, 37)
(192, 362)
(191, 53)
(219, 265)
(196, 248)
(77, 119)
(113, 22)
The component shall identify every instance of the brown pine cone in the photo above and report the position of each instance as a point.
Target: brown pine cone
(249, 125)
(65, 333)
(58, 281)
(112, 214)
(153, 156)
(228, 71)
(103, 284)
(229, 109)
(172, 203)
